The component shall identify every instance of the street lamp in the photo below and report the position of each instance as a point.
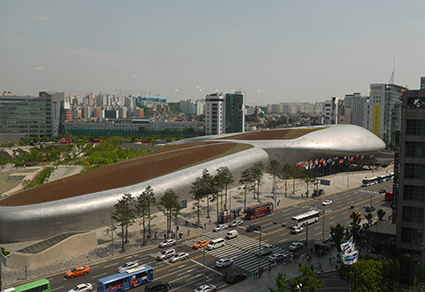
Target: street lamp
(204, 263)
(259, 255)
(371, 200)
(323, 226)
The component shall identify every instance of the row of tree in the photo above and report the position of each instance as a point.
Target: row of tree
(130, 208)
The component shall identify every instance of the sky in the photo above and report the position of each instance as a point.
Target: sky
(274, 51)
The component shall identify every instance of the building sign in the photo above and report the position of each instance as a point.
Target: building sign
(376, 119)
(395, 193)
(325, 182)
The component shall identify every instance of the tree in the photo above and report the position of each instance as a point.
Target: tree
(207, 186)
(337, 234)
(381, 214)
(308, 178)
(280, 283)
(198, 193)
(215, 187)
(369, 218)
(274, 169)
(286, 171)
(390, 273)
(355, 226)
(307, 281)
(257, 173)
(366, 275)
(124, 216)
(247, 181)
(226, 178)
(144, 203)
(169, 205)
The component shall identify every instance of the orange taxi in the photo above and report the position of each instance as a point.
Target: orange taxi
(201, 243)
(78, 271)
(356, 213)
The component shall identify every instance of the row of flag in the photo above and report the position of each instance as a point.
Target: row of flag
(323, 162)
(349, 253)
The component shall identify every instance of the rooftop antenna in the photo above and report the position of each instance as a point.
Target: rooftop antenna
(392, 75)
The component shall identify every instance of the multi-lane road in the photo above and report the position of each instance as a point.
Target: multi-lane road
(189, 274)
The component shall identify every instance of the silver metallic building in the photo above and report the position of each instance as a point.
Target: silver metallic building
(93, 211)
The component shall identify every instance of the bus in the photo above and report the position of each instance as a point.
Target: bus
(385, 177)
(370, 181)
(42, 285)
(389, 196)
(123, 281)
(306, 219)
(258, 210)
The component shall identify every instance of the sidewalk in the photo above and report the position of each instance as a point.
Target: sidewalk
(104, 251)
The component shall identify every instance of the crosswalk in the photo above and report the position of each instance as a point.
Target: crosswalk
(242, 250)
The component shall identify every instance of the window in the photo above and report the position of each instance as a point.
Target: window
(413, 214)
(415, 149)
(414, 193)
(415, 127)
(415, 171)
(410, 235)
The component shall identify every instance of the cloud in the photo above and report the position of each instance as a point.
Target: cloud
(134, 76)
(39, 68)
(7, 37)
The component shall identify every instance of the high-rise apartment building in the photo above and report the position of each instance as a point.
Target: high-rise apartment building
(331, 111)
(410, 202)
(215, 114)
(383, 111)
(235, 112)
(354, 109)
(26, 116)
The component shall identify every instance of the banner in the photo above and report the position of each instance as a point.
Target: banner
(350, 258)
(347, 245)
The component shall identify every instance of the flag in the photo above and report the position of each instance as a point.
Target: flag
(349, 244)
(341, 160)
(351, 159)
(350, 258)
(321, 160)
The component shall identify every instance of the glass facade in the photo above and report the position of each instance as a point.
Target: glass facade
(235, 113)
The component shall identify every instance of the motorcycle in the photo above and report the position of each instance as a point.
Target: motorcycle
(351, 206)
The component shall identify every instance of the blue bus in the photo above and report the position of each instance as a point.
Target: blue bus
(123, 281)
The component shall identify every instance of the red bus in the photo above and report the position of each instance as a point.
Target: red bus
(389, 196)
(258, 210)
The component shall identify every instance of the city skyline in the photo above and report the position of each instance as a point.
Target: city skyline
(280, 52)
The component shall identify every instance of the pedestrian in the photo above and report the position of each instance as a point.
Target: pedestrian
(275, 263)
(253, 275)
(165, 235)
(278, 202)
(330, 259)
(188, 232)
(270, 268)
(333, 259)
(302, 257)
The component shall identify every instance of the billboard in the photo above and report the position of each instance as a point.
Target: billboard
(376, 119)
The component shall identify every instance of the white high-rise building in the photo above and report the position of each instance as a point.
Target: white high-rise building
(215, 114)
(354, 109)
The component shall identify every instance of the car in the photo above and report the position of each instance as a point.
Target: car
(200, 243)
(206, 288)
(326, 202)
(296, 229)
(266, 250)
(78, 271)
(168, 253)
(158, 286)
(167, 242)
(236, 223)
(251, 228)
(224, 262)
(356, 213)
(296, 245)
(180, 256)
(382, 191)
(235, 278)
(127, 266)
(369, 208)
(277, 257)
(219, 227)
(84, 287)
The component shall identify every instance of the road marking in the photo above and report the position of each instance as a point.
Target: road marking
(207, 267)
(57, 288)
(168, 274)
(114, 264)
(99, 275)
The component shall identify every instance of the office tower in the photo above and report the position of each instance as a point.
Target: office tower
(215, 114)
(235, 112)
(354, 109)
(422, 83)
(25, 116)
(410, 202)
(383, 111)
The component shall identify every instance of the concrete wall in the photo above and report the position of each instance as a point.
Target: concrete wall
(67, 248)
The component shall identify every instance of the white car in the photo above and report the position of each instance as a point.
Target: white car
(127, 266)
(166, 254)
(295, 246)
(296, 229)
(84, 287)
(326, 202)
(224, 262)
(179, 257)
(219, 227)
(206, 288)
(167, 242)
(236, 223)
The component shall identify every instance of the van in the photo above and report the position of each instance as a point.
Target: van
(157, 287)
(216, 243)
(232, 234)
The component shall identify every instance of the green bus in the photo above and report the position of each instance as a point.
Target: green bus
(42, 285)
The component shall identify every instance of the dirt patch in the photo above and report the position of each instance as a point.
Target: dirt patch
(130, 172)
(280, 134)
